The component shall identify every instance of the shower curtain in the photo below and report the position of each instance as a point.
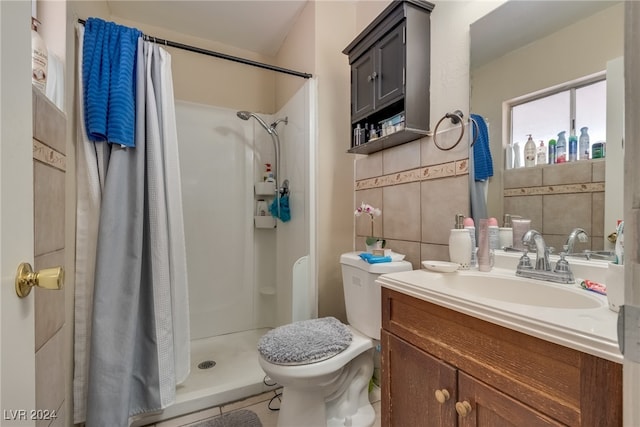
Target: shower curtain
(131, 305)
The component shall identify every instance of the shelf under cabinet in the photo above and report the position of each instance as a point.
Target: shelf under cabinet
(388, 141)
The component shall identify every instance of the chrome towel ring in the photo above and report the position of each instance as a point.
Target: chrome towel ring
(456, 118)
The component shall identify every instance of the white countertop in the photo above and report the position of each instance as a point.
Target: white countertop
(590, 330)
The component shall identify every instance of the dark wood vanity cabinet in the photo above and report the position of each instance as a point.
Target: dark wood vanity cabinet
(390, 63)
(444, 368)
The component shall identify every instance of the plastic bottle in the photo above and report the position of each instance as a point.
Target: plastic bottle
(357, 140)
(530, 153)
(494, 234)
(485, 253)
(584, 144)
(267, 172)
(573, 147)
(541, 157)
(470, 227)
(39, 57)
(517, 162)
(552, 151)
(508, 158)
(561, 148)
(460, 244)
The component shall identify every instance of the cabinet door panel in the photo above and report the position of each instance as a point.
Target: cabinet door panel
(362, 86)
(492, 408)
(390, 63)
(409, 395)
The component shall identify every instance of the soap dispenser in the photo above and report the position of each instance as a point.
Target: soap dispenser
(460, 244)
(530, 153)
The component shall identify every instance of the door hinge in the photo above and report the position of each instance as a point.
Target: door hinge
(629, 332)
(404, 35)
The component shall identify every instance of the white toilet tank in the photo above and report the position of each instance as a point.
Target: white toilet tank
(362, 295)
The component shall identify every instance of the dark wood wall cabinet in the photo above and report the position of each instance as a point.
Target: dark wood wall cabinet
(444, 368)
(390, 63)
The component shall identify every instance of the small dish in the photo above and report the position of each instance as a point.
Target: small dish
(440, 266)
(396, 256)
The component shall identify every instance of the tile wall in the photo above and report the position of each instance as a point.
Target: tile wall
(49, 168)
(419, 188)
(558, 198)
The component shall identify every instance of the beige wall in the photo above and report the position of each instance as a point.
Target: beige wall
(296, 53)
(573, 52)
(334, 227)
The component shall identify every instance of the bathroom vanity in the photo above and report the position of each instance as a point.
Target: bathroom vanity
(450, 359)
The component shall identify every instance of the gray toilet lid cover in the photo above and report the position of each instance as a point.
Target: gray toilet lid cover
(305, 342)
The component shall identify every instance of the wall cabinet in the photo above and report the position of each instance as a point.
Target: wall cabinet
(444, 368)
(390, 62)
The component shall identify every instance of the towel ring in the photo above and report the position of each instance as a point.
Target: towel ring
(455, 117)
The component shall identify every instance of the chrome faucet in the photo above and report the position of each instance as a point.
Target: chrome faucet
(578, 233)
(532, 237)
(542, 271)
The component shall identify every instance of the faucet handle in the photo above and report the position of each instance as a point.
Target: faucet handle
(525, 261)
(562, 266)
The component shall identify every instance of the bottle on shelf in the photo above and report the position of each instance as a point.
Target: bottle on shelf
(39, 57)
(561, 148)
(584, 143)
(517, 162)
(573, 147)
(541, 157)
(530, 153)
(552, 151)
(357, 140)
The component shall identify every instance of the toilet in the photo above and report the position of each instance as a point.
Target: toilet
(325, 366)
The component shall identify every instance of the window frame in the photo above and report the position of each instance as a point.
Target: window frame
(571, 86)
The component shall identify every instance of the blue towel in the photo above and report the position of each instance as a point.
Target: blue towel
(374, 259)
(483, 163)
(285, 211)
(108, 69)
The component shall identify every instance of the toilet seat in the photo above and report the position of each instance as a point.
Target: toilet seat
(359, 344)
(305, 341)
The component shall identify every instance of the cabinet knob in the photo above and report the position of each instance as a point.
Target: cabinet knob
(463, 408)
(442, 395)
(369, 78)
(374, 75)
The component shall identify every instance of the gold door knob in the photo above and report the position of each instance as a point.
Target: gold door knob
(442, 395)
(48, 278)
(463, 408)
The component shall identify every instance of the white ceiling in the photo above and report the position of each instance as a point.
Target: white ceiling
(517, 23)
(256, 25)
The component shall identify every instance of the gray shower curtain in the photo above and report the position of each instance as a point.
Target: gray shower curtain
(133, 312)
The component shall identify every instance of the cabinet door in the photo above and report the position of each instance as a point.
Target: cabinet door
(409, 382)
(490, 407)
(390, 67)
(362, 86)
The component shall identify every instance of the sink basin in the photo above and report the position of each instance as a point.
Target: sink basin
(517, 290)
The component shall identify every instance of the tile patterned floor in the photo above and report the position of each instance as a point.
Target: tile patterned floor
(257, 404)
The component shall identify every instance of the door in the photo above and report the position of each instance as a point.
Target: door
(411, 379)
(17, 375)
(362, 80)
(390, 66)
(488, 407)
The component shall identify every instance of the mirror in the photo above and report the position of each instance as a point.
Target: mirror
(523, 47)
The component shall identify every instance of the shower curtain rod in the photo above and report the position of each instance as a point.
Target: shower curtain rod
(223, 56)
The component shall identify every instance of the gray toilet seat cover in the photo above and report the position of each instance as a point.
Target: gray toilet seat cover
(305, 341)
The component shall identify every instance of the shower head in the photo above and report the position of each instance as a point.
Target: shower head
(246, 115)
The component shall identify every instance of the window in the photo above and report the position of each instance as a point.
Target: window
(567, 108)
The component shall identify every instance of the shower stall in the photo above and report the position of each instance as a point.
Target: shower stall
(241, 277)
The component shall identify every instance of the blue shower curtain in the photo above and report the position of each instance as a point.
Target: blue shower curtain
(133, 312)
